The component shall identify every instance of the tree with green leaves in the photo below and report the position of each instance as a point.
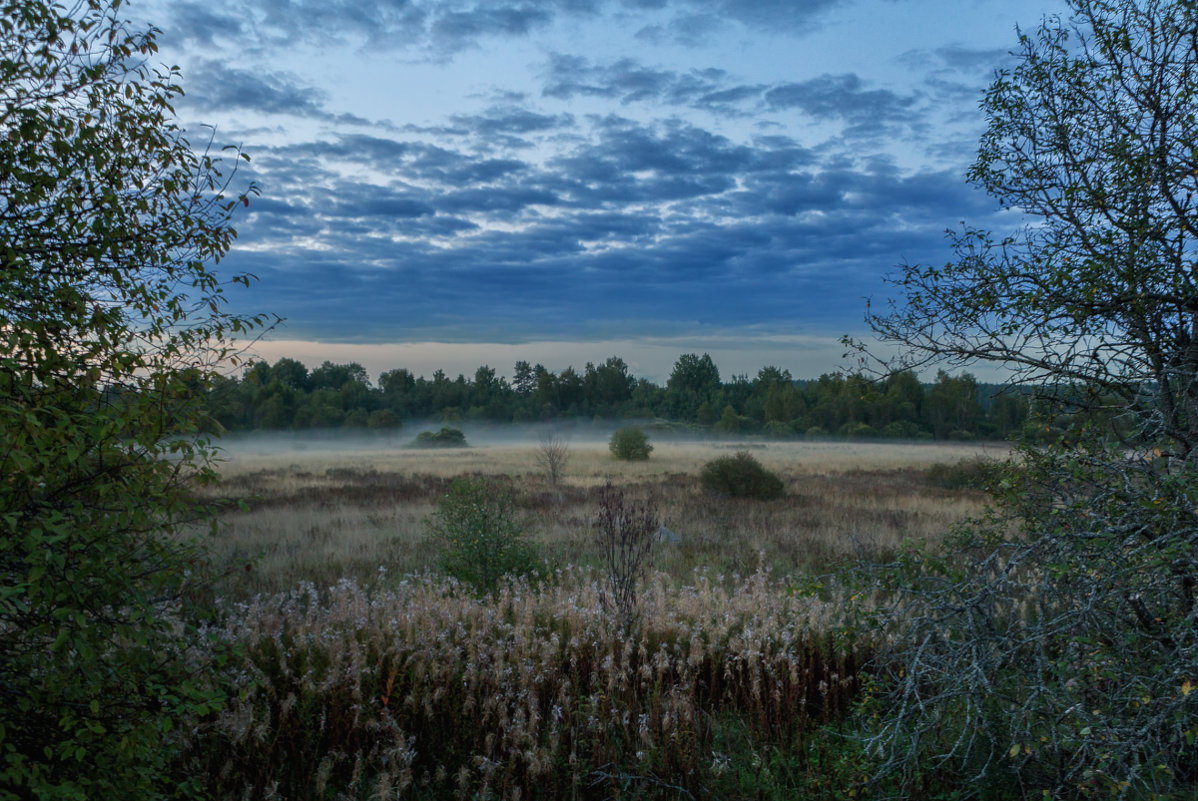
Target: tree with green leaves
(1054, 650)
(112, 325)
(1091, 139)
(695, 380)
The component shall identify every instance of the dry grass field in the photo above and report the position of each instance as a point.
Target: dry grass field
(359, 672)
(320, 511)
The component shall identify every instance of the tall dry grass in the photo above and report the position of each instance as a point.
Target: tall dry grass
(359, 673)
(323, 515)
(421, 690)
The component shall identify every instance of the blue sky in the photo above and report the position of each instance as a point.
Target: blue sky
(448, 183)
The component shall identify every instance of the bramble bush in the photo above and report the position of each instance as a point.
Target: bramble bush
(483, 540)
(741, 476)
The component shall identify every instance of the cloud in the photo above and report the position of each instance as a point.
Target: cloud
(439, 28)
(230, 88)
(436, 27)
(666, 223)
(509, 125)
(629, 81)
(677, 195)
(696, 22)
(455, 29)
(224, 89)
(844, 98)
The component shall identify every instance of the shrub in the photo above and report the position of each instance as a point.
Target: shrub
(445, 438)
(740, 476)
(476, 524)
(626, 533)
(553, 455)
(1054, 642)
(630, 443)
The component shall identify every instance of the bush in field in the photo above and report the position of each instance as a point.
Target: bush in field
(626, 533)
(740, 476)
(553, 455)
(445, 438)
(482, 539)
(630, 444)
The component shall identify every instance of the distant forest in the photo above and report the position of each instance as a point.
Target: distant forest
(286, 395)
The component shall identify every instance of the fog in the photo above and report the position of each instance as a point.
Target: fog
(478, 435)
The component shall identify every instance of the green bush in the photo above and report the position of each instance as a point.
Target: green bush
(445, 438)
(631, 444)
(740, 476)
(482, 539)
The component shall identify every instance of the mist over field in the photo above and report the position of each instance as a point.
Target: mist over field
(512, 448)
(478, 435)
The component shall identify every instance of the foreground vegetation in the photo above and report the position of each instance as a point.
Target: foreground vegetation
(424, 690)
(361, 670)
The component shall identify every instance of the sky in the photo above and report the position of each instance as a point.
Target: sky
(450, 183)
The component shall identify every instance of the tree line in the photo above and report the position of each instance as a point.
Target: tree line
(287, 395)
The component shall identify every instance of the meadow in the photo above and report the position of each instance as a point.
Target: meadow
(321, 511)
(360, 672)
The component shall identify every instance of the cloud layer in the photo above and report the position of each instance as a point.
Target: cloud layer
(652, 189)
